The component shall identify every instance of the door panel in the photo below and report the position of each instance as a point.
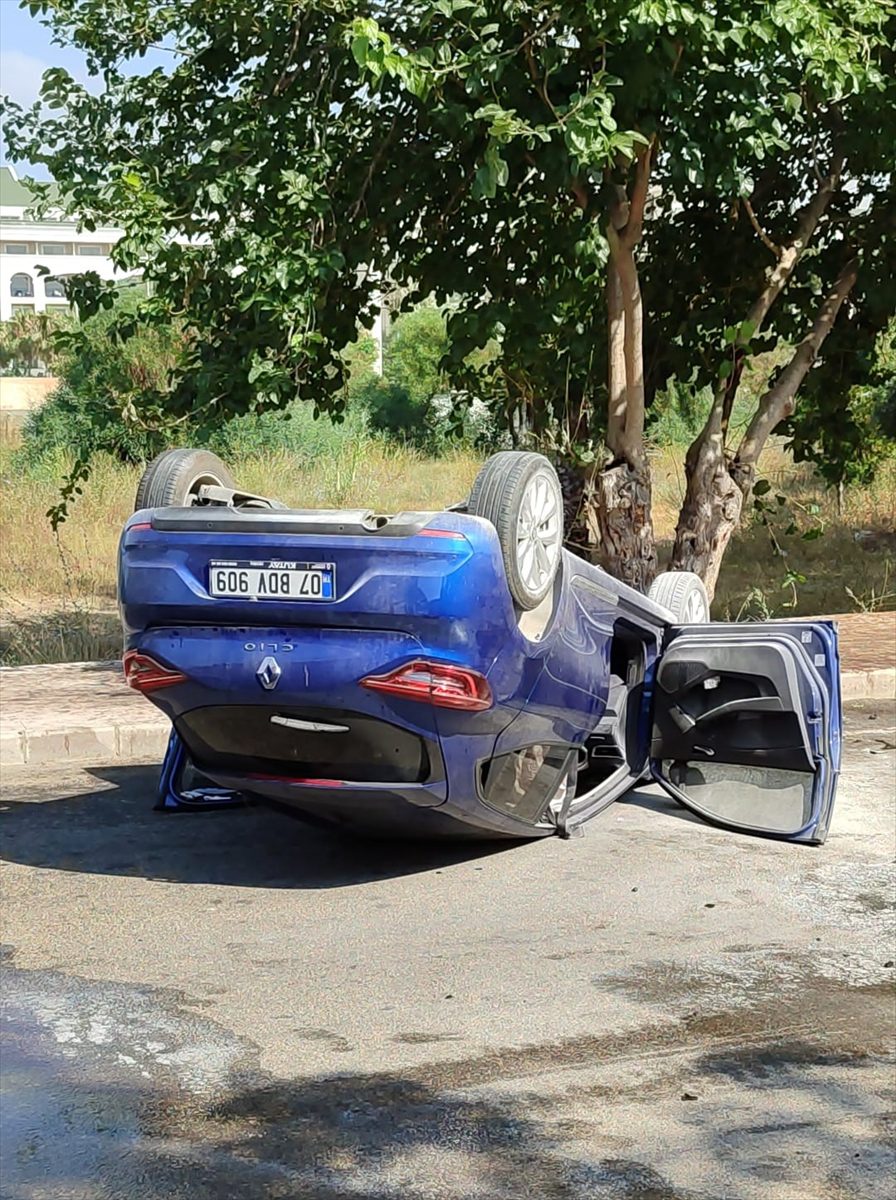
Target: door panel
(746, 725)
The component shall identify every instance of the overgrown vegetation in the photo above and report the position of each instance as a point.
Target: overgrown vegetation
(57, 598)
(92, 410)
(507, 159)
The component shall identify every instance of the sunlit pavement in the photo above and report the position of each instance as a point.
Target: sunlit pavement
(234, 1005)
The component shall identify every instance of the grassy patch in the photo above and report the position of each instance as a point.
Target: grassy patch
(851, 567)
(57, 595)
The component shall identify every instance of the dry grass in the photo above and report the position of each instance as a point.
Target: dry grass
(57, 595)
(852, 567)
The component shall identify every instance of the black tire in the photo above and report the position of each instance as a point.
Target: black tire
(175, 475)
(507, 483)
(684, 594)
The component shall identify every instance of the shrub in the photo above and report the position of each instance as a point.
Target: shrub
(402, 402)
(294, 429)
(72, 422)
(99, 373)
(392, 410)
(414, 351)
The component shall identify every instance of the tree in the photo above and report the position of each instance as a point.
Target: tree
(611, 193)
(27, 341)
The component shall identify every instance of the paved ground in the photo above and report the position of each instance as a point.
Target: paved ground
(232, 1005)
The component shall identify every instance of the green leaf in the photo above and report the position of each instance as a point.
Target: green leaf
(360, 50)
(746, 331)
(761, 487)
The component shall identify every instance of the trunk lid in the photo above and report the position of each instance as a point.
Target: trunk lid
(408, 572)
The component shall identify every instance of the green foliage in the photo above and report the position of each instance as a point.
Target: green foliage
(93, 409)
(392, 411)
(295, 430)
(400, 402)
(848, 434)
(678, 413)
(72, 422)
(358, 358)
(467, 150)
(67, 426)
(415, 349)
(102, 377)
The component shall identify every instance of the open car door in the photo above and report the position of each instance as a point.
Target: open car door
(747, 725)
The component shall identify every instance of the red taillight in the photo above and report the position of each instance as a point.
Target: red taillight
(435, 683)
(147, 675)
(442, 533)
(139, 526)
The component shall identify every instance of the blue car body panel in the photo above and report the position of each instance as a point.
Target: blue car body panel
(439, 593)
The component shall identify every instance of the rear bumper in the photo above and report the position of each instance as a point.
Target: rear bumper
(318, 742)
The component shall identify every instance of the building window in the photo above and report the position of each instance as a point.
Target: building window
(21, 285)
(15, 247)
(22, 308)
(58, 308)
(92, 251)
(54, 289)
(54, 248)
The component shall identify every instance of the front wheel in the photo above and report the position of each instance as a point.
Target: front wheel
(684, 594)
(519, 493)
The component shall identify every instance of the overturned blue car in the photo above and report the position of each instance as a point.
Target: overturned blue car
(455, 673)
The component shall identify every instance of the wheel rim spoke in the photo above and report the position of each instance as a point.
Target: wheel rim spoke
(538, 532)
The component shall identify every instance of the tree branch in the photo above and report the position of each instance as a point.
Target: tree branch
(284, 78)
(791, 253)
(635, 223)
(779, 401)
(763, 236)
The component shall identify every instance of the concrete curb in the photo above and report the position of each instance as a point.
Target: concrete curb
(879, 684)
(138, 733)
(143, 742)
(74, 713)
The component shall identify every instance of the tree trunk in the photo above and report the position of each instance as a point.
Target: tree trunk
(619, 494)
(710, 513)
(623, 509)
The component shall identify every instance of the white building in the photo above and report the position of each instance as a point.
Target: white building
(26, 243)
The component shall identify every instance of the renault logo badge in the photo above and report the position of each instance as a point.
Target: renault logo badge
(268, 674)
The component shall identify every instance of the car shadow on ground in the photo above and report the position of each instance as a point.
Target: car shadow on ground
(113, 830)
(658, 801)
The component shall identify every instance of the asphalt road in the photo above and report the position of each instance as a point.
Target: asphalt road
(234, 1005)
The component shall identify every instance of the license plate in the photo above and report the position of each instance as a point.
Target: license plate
(254, 580)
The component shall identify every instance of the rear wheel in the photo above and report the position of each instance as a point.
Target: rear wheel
(174, 478)
(519, 493)
(684, 594)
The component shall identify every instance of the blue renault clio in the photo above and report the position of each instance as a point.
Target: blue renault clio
(455, 673)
